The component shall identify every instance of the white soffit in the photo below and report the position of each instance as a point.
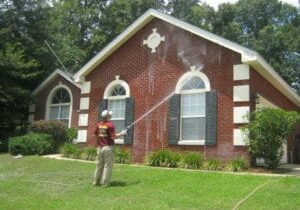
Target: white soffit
(248, 56)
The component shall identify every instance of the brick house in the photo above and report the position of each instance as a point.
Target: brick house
(177, 87)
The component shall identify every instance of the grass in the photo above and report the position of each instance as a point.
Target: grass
(37, 183)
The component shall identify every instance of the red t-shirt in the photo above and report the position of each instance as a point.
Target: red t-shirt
(105, 130)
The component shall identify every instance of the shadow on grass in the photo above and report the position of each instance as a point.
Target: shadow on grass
(122, 184)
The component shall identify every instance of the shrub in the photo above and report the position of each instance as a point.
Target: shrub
(122, 156)
(72, 134)
(31, 144)
(192, 160)
(90, 153)
(70, 151)
(213, 164)
(3, 145)
(237, 164)
(267, 132)
(56, 129)
(163, 158)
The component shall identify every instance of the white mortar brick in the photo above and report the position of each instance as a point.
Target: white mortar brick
(238, 137)
(241, 93)
(240, 114)
(82, 136)
(84, 103)
(86, 87)
(83, 120)
(241, 72)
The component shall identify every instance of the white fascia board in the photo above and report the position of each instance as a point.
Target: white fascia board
(141, 22)
(265, 70)
(202, 33)
(51, 77)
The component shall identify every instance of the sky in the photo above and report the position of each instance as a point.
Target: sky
(215, 3)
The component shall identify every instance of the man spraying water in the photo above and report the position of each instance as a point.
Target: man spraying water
(106, 135)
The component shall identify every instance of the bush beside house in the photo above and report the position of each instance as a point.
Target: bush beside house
(58, 131)
(267, 131)
(44, 137)
(31, 144)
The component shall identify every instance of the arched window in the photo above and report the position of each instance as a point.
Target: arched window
(190, 100)
(193, 109)
(59, 105)
(117, 104)
(117, 99)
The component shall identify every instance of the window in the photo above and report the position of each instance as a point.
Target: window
(117, 99)
(117, 104)
(59, 106)
(193, 109)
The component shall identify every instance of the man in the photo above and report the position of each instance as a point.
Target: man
(106, 135)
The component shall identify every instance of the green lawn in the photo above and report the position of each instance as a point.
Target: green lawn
(38, 183)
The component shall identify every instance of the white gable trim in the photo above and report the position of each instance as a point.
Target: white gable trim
(51, 78)
(248, 56)
(142, 21)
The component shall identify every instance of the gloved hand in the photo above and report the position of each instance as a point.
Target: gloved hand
(123, 132)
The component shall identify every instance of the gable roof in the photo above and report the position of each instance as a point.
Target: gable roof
(51, 77)
(247, 56)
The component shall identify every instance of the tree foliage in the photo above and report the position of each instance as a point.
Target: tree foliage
(267, 131)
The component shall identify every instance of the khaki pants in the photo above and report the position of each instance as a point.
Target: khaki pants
(105, 160)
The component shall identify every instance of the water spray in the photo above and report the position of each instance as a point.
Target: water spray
(151, 110)
(160, 102)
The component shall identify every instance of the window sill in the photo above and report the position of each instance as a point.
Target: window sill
(191, 142)
(119, 141)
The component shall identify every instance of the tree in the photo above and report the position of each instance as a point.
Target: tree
(181, 9)
(17, 69)
(267, 131)
(270, 27)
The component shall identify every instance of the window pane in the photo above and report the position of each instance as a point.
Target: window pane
(193, 83)
(118, 108)
(61, 96)
(64, 112)
(119, 125)
(118, 91)
(53, 112)
(193, 105)
(193, 128)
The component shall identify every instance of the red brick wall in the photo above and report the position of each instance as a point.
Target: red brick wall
(41, 99)
(152, 77)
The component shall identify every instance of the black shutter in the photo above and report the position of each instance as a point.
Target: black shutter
(102, 107)
(129, 119)
(211, 118)
(174, 119)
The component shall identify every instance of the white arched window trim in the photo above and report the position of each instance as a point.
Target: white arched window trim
(184, 78)
(111, 86)
(50, 96)
(178, 90)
